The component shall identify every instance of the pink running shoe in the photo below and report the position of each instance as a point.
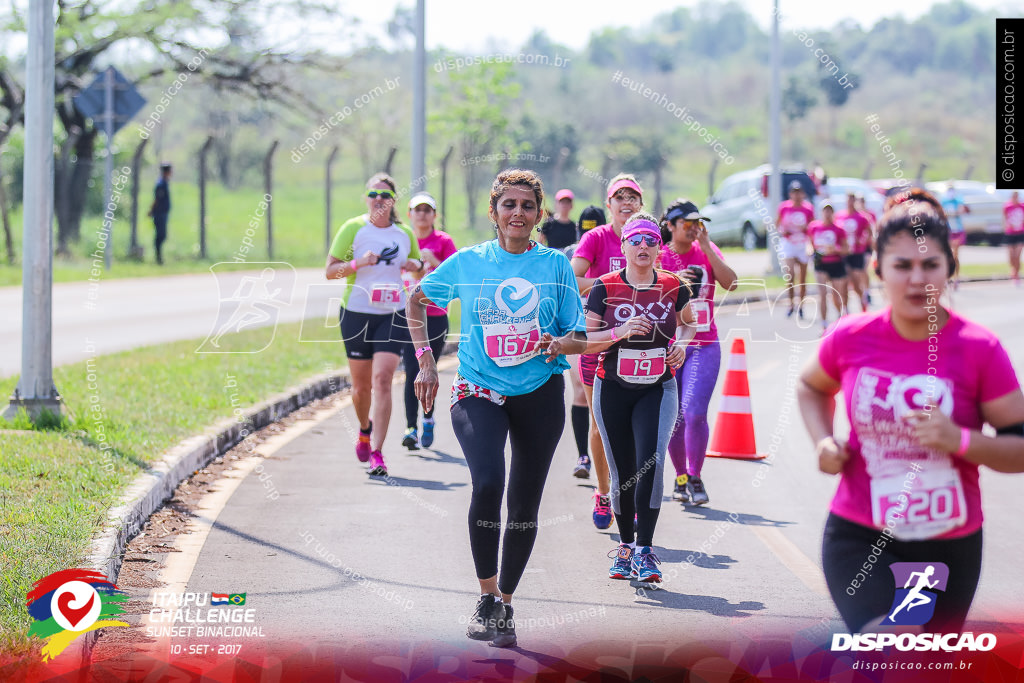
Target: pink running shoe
(363, 444)
(377, 466)
(602, 511)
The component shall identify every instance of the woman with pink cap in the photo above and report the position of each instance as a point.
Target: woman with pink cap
(638, 316)
(690, 253)
(559, 230)
(599, 253)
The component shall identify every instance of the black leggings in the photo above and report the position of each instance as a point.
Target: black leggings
(437, 332)
(846, 549)
(635, 427)
(533, 424)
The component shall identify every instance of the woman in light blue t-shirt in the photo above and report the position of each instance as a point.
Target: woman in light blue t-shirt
(521, 313)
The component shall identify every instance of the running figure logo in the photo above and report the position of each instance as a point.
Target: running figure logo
(255, 301)
(916, 583)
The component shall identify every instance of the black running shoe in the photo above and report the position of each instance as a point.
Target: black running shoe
(506, 631)
(698, 494)
(483, 625)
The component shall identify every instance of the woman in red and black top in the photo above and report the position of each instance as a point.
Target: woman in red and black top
(637, 315)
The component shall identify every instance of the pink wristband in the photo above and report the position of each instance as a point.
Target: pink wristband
(422, 350)
(353, 264)
(614, 338)
(965, 441)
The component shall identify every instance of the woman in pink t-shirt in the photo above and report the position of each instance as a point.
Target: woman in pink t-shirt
(690, 253)
(599, 253)
(1013, 217)
(795, 214)
(830, 245)
(918, 382)
(435, 246)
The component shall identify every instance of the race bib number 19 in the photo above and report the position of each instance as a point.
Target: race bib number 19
(641, 366)
(511, 344)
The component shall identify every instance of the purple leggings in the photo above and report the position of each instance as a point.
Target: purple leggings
(696, 379)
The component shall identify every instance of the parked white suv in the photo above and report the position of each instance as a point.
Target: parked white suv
(737, 209)
(984, 220)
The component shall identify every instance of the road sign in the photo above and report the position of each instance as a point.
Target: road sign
(111, 101)
(127, 100)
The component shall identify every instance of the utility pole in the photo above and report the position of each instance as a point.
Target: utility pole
(419, 102)
(36, 392)
(775, 180)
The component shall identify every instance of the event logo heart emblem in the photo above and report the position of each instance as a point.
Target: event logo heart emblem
(74, 615)
(521, 289)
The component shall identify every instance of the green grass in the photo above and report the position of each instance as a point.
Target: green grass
(299, 236)
(57, 486)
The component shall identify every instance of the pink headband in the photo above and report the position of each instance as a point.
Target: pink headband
(641, 227)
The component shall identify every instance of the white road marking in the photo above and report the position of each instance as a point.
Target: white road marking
(793, 558)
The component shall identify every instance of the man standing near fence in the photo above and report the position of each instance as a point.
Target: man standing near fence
(160, 209)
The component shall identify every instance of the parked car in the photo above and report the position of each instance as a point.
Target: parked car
(738, 207)
(984, 220)
(837, 188)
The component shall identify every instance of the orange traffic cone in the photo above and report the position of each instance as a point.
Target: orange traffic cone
(734, 428)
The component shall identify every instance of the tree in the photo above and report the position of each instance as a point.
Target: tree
(836, 94)
(475, 114)
(554, 145)
(12, 100)
(642, 152)
(797, 100)
(721, 29)
(87, 30)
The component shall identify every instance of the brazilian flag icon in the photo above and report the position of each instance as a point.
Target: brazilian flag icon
(237, 598)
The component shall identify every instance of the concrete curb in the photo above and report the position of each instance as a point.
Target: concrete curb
(150, 490)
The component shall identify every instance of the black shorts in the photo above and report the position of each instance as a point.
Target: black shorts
(1015, 238)
(856, 561)
(855, 261)
(834, 270)
(365, 334)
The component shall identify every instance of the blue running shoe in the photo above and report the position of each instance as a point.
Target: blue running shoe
(602, 511)
(428, 433)
(645, 565)
(622, 567)
(409, 440)
(582, 469)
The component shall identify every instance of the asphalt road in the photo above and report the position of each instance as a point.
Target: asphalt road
(336, 556)
(114, 315)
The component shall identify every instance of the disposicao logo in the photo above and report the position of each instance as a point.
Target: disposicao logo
(68, 603)
(914, 605)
